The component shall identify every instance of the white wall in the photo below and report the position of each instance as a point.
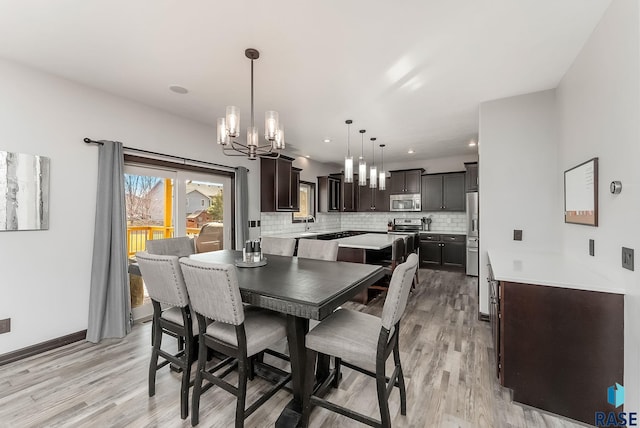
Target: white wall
(518, 176)
(45, 274)
(599, 111)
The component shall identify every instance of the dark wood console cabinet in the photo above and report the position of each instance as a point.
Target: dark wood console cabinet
(558, 349)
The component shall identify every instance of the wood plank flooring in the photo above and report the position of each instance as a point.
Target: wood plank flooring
(446, 353)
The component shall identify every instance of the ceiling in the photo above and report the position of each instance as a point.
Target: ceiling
(411, 73)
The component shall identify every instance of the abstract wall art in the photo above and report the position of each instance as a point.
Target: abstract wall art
(24, 191)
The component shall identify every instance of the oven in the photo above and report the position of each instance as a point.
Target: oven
(406, 202)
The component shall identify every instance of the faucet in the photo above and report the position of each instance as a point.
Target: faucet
(306, 222)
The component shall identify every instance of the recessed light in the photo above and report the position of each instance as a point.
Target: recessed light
(472, 143)
(178, 89)
(307, 156)
(411, 151)
(326, 140)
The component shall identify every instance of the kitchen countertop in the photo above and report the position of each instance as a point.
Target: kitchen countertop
(314, 233)
(547, 268)
(441, 232)
(367, 241)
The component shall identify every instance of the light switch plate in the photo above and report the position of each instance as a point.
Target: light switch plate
(591, 247)
(627, 258)
(517, 235)
(5, 325)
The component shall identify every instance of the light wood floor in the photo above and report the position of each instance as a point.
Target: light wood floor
(446, 353)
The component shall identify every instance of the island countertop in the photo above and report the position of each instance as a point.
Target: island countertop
(367, 241)
(548, 268)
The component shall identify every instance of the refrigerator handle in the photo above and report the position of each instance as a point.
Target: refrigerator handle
(474, 225)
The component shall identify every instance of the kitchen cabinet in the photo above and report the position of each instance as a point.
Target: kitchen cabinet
(442, 250)
(572, 355)
(405, 181)
(329, 194)
(443, 192)
(349, 193)
(279, 185)
(372, 199)
(471, 178)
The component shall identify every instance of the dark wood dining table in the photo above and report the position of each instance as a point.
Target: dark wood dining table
(303, 289)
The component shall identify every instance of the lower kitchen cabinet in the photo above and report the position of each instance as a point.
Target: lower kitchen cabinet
(442, 250)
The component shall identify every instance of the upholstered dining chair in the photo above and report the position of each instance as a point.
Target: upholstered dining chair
(363, 342)
(236, 332)
(165, 285)
(318, 249)
(278, 246)
(182, 246)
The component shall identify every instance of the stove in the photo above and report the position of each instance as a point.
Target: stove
(406, 225)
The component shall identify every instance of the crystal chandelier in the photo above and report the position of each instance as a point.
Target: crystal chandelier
(373, 170)
(348, 160)
(229, 129)
(383, 175)
(362, 167)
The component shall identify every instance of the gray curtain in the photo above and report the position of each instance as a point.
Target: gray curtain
(242, 207)
(109, 299)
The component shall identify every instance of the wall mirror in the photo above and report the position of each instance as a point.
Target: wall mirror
(581, 193)
(24, 191)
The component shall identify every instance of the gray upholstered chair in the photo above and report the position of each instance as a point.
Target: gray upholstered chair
(181, 247)
(317, 249)
(163, 278)
(236, 332)
(363, 343)
(278, 246)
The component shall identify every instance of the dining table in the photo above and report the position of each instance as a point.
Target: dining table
(301, 289)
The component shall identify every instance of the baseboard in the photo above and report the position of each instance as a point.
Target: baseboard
(39, 348)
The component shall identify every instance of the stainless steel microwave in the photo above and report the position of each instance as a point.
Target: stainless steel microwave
(406, 202)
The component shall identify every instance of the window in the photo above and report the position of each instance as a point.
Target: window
(307, 203)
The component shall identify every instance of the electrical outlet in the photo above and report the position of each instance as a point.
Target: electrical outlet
(591, 247)
(627, 258)
(517, 235)
(5, 325)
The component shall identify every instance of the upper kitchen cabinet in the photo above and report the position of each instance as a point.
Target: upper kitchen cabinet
(405, 181)
(279, 185)
(329, 194)
(472, 176)
(443, 192)
(373, 199)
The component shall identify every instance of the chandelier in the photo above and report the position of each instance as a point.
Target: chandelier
(229, 129)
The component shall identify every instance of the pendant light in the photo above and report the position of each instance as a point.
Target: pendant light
(362, 167)
(373, 170)
(383, 175)
(348, 160)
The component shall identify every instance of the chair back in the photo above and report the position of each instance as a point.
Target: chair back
(398, 294)
(278, 246)
(318, 249)
(181, 247)
(214, 290)
(163, 277)
(397, 250)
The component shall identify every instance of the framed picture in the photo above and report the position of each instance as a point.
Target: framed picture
(24, 191)
(581, 193)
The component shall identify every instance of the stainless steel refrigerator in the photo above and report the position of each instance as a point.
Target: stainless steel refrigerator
(473, 234)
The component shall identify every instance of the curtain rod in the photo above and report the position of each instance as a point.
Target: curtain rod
(184, 160)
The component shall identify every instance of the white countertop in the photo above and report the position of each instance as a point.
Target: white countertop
(441, 232)
(367, 241)
(547, 268)
(313, 233)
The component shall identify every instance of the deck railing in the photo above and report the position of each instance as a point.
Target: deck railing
(137, 236)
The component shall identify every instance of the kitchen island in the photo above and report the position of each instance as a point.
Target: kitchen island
(558, 331)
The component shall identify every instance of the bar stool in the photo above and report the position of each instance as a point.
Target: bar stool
(363, 343)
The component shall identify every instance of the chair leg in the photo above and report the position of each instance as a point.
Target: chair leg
(309, 381)
(381, 386)
(403, 391)
(197, 383)
(243, 368)
(337, 366)
(186, 375)
(156, 340)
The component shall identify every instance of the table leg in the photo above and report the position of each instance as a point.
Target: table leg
(297, 328)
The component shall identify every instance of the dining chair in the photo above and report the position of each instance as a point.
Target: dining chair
(238, 332)
(410, 247)
(363, 342)
(165, 285)
(182, 246)
(318, 249)
(278, 246)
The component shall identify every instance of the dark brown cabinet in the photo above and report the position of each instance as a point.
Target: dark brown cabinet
(279, 185)
(442, 250)
(372, 199)
(329, 194)
(349, 195)
(443, 192)
(471, 176)
(405, 181)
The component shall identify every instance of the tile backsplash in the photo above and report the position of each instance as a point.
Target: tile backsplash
(272, 223)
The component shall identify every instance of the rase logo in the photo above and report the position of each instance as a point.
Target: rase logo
(615, 397)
